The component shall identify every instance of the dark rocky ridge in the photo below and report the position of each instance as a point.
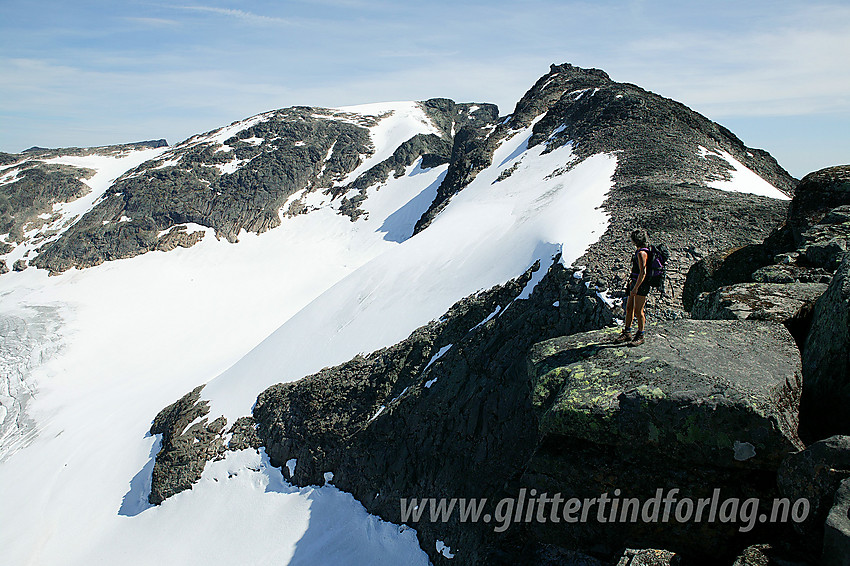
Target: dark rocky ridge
(300, 148)
(35, 189)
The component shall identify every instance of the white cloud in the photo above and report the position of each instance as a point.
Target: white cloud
(239, 14)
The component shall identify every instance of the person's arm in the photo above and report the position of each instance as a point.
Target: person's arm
(642, 257)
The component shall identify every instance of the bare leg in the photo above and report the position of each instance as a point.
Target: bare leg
(639, 303)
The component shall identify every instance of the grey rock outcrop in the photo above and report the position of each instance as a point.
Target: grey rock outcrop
(758, 301)
(817, 194)
(826, 359)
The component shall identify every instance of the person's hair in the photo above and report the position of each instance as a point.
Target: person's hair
(640, 237)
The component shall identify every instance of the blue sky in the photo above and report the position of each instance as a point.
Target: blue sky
(89, 73)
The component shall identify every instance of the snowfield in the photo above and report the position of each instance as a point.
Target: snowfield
(126, 338)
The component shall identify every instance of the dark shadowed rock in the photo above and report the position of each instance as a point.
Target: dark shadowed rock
(826, 361)
(836, 541)
(814, 474)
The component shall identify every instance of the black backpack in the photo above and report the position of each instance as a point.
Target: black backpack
(658, 256)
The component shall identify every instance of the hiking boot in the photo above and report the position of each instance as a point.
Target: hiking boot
(637, 340)
(623, 337)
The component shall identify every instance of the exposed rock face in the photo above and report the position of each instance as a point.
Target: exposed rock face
(826, 359)
(724, 268)
(34, 190)
(188, 442)
(815, 474)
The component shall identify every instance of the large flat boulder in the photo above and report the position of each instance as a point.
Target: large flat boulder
(719, 393)
(826, 360)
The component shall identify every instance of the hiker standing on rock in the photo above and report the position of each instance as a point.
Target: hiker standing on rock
(637, 289)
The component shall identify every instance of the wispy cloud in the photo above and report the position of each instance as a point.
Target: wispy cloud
(249, 17)
(153, 22)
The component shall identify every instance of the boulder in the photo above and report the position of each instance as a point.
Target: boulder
(767, 555)
(701, 406)
(817, 194)
(728, 267)
(718, 393)
(791, 273)
(836, 540)
(826, 360)
(814, 474)
(758, 301)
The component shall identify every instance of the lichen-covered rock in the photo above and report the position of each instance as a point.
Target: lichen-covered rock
(836, 540)
(768, 555)
(19, 265)
(718, 393)
(814, 474)
(649, 557)
(826, 360)
(701, 403)
(188, 443)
